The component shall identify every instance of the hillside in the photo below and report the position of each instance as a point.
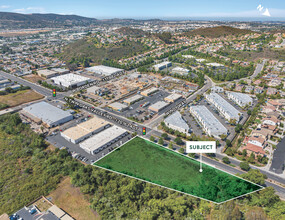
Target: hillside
(11, 20)
(84, 49)
(218, 31)
(131, 31)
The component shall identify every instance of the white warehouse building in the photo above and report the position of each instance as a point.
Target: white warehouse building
(71, 80)
(240, 98)
(104, 70)
(103, 139)
(176, 122)
(208, 121)
(84, 130)
(47, 113)
(225, 108)
(180, 70)
(161, 66)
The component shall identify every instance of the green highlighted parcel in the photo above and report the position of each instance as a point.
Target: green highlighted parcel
(148, 161)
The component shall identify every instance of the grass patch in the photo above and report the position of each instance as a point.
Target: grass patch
(148, 161)
(71, 200)
(20, 97)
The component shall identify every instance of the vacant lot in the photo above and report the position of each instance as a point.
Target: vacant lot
(71, 200)
(33, 78)
(151, 162)
(20, 97)
(278, 54)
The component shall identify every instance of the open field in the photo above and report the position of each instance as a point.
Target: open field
(33, 78)
(20, 97)
(71, 200)
(148, 161)
(278, 54)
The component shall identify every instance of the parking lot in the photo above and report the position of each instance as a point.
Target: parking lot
(77, 152)
(197, 129)
(142, 112)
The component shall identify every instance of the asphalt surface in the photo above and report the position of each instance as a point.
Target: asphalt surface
(278, 161)
(151, 131)
(258, 69)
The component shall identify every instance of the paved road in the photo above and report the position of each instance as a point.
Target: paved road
(190, 99)
(151, 131)
(258, 69)
(278, 160)
(37, 88)
(280, 190)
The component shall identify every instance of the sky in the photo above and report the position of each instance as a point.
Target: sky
(147, 8)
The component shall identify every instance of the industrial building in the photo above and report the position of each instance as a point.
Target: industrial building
(71, 80)
(117, 106)
(215, 65)
(180, 70)
(188, 56)
(133, 99)
(208, 121)
(60, 71)
(217, 89)
(98, 90)
(172, 98)
(84, 130)
(240, 98)
(161, 66)
(47, 73)
(103, 139)
(44, 112)
(150, 91)
(104, 70)
(225, 108)
(176, 122)
(158, 106)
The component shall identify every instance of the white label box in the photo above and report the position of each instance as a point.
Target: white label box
(201, 147)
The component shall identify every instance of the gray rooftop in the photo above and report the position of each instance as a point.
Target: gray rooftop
(177, 120)
(223, 104)
(244, 98)
(209, 120)
(47, 112)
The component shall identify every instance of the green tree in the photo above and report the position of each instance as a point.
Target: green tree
(244, 166)
(255, 176)
(165, 136)
(178, 140)
(152, 138)
(226, 160)
(160, 141)
(170, 146)
(181, 150)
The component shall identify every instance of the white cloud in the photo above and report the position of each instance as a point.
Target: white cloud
(4, 6)
(30, 10)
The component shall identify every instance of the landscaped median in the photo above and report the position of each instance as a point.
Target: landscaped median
(150, 162)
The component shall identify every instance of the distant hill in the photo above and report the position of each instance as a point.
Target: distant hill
(217, 31)
(131, 31)
(16, 20)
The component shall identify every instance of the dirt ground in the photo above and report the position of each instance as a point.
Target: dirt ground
(20, 97)
(72, 201)
(33, 78)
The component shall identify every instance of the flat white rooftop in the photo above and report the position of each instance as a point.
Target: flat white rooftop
(70, 79)
(180, 69)
(176, 120)
(173, 97)
(103, 70)
(47, 112)
(85, 128)
(118, 105)
(133, 98)
(158, 105)
(102, 138)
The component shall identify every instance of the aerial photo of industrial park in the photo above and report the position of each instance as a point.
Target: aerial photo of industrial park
(142, 110)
